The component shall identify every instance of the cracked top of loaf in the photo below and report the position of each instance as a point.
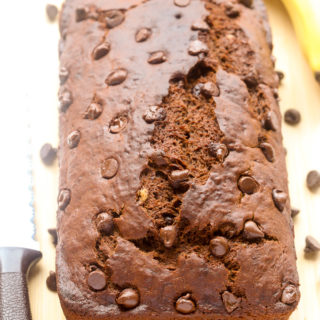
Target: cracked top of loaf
(173, 194)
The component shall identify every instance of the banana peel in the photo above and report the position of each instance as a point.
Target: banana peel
(305, 16)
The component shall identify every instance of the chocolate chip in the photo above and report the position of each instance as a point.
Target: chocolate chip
(81, 14)
(218, 150)
(179, 175)
(48, 154)
(289, 294)
(101, 50)
(54, 235)
(168, 235)
(231, 11)
(294, 212)
(196, 47)
(230, 301)
(65, 98)
(64, 198)
(128, 298)
(118, 124)
(312, 245)
(63, 75)
(313, 180)
(251, 231)
(158, 158)
(185, 304)
(279, 198)
(154, 113)
(116, 77)
(52, 281)
(93, 112)
(52, 12)
(143, 34)
(73, 139)
(292, 116)
(248, 185)
(270, 122)
(157, 57)
(219, 246)
(181, 3)
(97, 280)
(200, 25)
(247, 3)
(210, 89)
(104, 223)
(109, 168)
(267, 150)
(317, 76)
(114, 18)
(280, 75)
(250, 80)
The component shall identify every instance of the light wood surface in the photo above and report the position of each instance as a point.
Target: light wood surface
(299, 90)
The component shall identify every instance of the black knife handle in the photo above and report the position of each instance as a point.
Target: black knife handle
(14, 266)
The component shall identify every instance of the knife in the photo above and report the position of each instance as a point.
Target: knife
(18, 248)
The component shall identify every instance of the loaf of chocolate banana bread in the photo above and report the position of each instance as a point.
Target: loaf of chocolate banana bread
(173, 198)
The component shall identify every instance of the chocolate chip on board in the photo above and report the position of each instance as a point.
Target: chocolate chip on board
(280, 75)
(312, 245)
(128, 298)
(185, 304)
(294, 212)
(52, 281)
(48, 154)
(313, 180)
(292, 116)
(52, 12)
(54, 235)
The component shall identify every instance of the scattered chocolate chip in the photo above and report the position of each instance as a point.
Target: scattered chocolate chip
(73, 139)
(197, 89)
(109, 168)
(116, 77)
(64, 198)
(294, 212)
(210, 89)
(248, 184)
(289, 294)
(118, 124)
(158, 158)
(48, 154)
(181, 3)
(154, 113)
(292, 116)
(97, 280)
(128, 298)
(63, 75)
(231, 11)
(114, 18)
(185, 304)
(247, 3)
(279, 198)
(218, 150)
(200, 25)
(312, 245)
(196, 47)
(157, 57)
(52, 281)
(267, 150)
(317, 76)
(65, 98)
(101, 50)
(280, 75)
(104, 223)
(231, 302)
(219, 246)
(251, 231)
(52, 12)
(168, 235)
(81, 14)
(54, 235)
(93, 112)
(313, 180)
(270, 121)
(143, 34)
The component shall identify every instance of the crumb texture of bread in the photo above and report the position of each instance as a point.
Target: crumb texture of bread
(173, 198)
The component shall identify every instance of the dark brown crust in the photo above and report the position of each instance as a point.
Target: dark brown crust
(140, 191)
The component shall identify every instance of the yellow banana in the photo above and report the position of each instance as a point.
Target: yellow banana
(305, 16)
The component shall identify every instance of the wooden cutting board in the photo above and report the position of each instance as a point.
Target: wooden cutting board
(299, 90)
